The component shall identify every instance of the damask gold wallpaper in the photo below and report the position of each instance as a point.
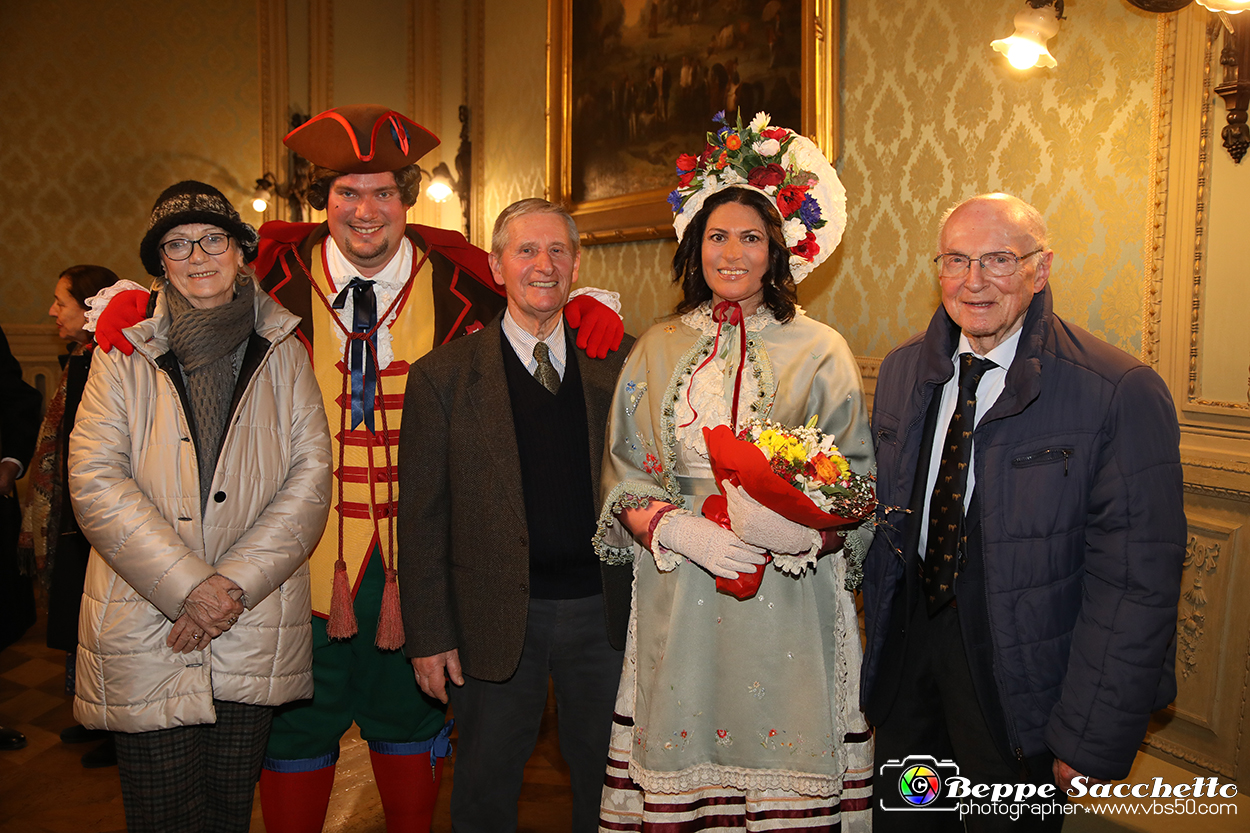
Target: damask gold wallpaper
(119, 100)
(105, 105)
(930, 115)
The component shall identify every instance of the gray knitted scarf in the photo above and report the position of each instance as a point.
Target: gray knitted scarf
(209, 345)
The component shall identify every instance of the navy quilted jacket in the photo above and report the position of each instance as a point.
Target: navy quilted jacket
(1076, 537)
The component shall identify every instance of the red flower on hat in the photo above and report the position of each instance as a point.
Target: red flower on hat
(733, 141)
(723, 160)
(807, 248)
(766, 175)
(778, 133)
(789, 199)
(686, 162)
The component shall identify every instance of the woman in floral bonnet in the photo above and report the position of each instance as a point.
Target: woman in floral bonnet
(737, 714)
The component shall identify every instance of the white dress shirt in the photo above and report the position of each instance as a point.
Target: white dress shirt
(387, 284)
(523, 343)
(988, 390)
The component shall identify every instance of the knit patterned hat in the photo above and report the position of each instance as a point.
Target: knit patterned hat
(194, 202)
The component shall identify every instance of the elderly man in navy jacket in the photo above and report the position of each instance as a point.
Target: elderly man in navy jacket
(1022, 614)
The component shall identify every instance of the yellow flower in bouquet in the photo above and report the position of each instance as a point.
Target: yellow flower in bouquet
(776, 444)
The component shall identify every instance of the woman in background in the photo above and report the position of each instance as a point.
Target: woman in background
(50, 535)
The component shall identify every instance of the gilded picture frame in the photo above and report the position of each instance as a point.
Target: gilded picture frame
(621, 198)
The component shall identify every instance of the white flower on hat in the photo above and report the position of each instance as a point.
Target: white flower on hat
(768, 147)
(759, 123)
(794, 230)
(731, 177)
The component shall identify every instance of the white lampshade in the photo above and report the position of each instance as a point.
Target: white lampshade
(1027, 46)
(439, 190)
(1228, 6)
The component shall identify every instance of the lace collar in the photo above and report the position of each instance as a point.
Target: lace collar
(701, 319)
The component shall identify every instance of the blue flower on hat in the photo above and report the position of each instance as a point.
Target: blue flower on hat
(809, 212)
(674, 200)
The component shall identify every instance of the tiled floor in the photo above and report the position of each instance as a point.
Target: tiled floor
(44, 789)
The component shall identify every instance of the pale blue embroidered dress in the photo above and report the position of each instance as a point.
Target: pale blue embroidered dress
(726, 706)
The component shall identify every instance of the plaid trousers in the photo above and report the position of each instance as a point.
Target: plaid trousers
(194, 779)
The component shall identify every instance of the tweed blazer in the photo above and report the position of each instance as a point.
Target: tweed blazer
(463, 539)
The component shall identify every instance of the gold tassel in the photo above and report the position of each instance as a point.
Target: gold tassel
(390, 620)
(342, 624)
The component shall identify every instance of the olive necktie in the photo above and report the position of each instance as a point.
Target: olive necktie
(546, 372)
(946, 509)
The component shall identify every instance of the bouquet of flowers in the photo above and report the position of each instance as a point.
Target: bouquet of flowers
(796, 472)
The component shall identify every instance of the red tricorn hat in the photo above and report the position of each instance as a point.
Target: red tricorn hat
(361, 139)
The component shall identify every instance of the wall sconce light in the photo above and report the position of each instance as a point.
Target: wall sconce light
(294, 190)
(263, 195)
(1034, 26)
(443, 184)
(1235, 89)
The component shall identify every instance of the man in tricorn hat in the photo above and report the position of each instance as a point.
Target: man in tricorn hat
(405, 288)
(374, 294)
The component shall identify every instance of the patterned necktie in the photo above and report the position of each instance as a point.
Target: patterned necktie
(363, 367)
(546, 372)
(946, 509)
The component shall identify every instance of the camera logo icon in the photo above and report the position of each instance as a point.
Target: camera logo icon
(919, 780)
(920, 785)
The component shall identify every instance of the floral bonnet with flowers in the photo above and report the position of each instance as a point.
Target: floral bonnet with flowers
(784, 166)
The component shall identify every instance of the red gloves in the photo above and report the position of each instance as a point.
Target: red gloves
(599, 329)
(126, 308)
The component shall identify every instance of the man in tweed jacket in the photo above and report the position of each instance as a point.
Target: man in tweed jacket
(502, 442)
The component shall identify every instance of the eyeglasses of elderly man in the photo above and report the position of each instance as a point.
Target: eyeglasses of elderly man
(994, 264)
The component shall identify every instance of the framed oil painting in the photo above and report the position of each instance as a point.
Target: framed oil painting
(634, 83)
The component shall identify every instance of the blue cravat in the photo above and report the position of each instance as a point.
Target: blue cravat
(363, 367)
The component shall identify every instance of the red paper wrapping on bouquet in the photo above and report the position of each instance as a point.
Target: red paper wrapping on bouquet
(743, 464)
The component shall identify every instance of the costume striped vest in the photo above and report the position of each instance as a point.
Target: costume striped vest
(366, 486)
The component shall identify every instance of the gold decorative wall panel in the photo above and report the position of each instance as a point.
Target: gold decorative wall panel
(105, 105)
(1195, 331)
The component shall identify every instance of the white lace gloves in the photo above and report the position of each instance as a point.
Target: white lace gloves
(716, 550)
(756, 524)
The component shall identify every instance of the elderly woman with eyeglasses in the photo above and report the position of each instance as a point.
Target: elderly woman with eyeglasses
(200, 472)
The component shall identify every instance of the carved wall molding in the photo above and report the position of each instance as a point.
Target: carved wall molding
(1197, 269)
(274, 93)
(1216, 464)
(320, 55)
(1205, 724)
(1216, 491)
(1161, 133)
(1201, 562)
(1189, 756)
(425, 60)
(869, 367)
(38, 349)
(475, 89)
